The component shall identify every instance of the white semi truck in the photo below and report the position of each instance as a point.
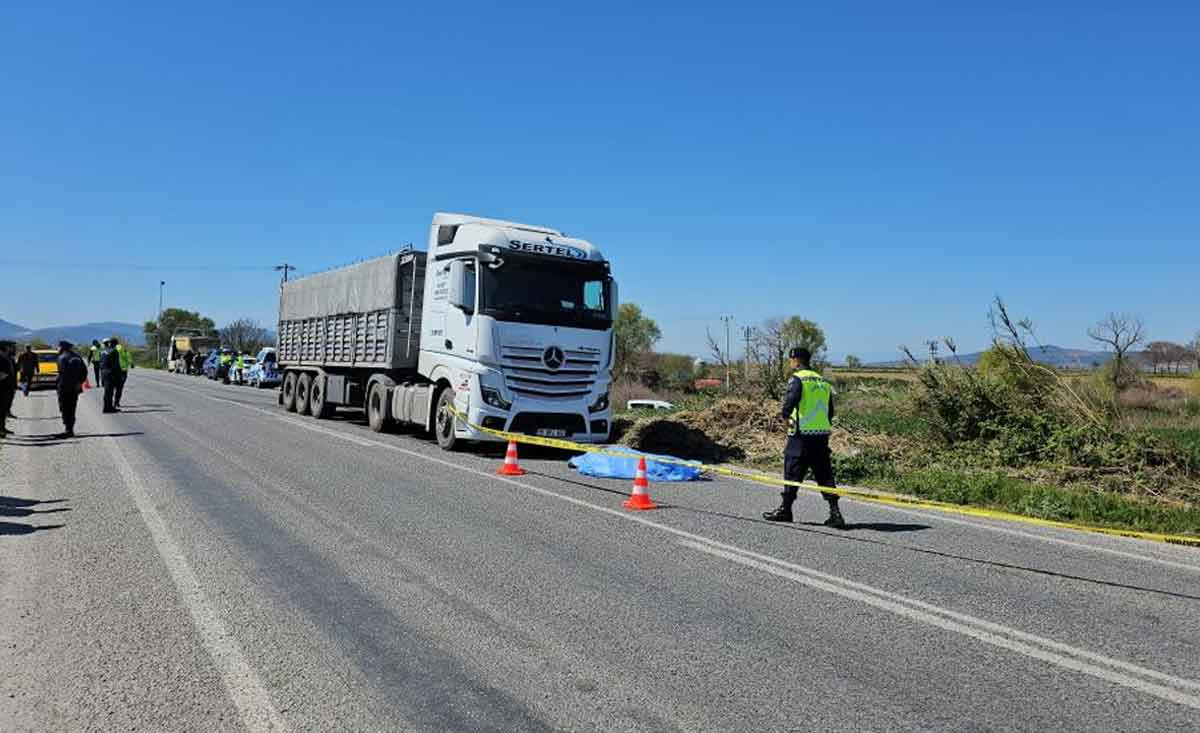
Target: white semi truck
(509, 323)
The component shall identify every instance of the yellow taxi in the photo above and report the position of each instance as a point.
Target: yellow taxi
(47, 373)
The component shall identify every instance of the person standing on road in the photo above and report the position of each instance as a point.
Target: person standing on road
(125, 361)
(188, 358)
(110, 368)
(72, 373)
(94, 355)
(8, 383)
(808, 408)
(27, 367)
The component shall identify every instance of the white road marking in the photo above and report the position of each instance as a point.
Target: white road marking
(1044, 538)
(896, 604)
(1047, 650)
(240, 680)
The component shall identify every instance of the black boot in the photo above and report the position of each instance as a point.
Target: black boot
(835, 519)
(783, 513)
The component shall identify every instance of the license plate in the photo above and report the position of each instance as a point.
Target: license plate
(551, 433)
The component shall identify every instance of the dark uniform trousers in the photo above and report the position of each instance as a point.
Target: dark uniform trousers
(110, 388)
(8, 393)
(68, 400)
(118, 386)
(806, 453)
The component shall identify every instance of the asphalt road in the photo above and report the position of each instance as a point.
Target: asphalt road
(204, 561)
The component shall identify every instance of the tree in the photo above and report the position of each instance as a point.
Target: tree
(771, 344)
(1176, 356)
(635, 335)
(1120, 332)
(1158, 353)
(244, 335)
(853, 362)
(177, 319)
(677, 371)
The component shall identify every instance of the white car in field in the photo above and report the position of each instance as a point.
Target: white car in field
(649, 405)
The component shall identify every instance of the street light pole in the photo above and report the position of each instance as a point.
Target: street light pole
(158, 330)
(285, 268)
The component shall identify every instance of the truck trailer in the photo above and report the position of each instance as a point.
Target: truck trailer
(510, 324)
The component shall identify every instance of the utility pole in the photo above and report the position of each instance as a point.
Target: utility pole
(285, 268)
(747, 332)
(728, 347)
(158, 330)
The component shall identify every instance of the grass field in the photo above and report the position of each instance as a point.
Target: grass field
(1144, 473)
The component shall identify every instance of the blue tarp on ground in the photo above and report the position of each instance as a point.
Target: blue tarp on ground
(601, 466)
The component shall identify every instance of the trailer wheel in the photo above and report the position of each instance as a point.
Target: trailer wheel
(289, 391)
(443, 428)
(317, 404)
(377, 407)
(303, 392)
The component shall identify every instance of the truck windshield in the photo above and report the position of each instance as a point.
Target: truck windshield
(546, 293)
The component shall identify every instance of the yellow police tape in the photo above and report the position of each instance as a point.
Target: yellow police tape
(874, 497)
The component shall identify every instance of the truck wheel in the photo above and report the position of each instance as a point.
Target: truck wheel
(317, 404)
(289, 391)
(303, 392)
(443, 427)
(377, 408)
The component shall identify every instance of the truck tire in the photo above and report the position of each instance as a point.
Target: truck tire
(317, 404)
(377, 407)
(289, 391)
(443, 422)
(303, 392)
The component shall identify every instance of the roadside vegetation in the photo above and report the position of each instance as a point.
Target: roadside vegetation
(1113, 447)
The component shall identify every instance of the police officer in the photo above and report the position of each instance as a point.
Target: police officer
(94, 354)
(8, 383)
(225, 365)
(110, 372)
(27, 366)
(72, 373)
(125, 359)
(808, 408)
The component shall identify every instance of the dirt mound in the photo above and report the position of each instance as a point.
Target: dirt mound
(734, 429)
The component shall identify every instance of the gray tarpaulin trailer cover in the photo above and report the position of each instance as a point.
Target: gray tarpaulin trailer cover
(368, 314)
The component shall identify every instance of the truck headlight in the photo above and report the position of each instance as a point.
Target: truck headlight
(601, 403)
(492, 396)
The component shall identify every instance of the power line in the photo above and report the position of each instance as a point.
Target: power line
(125, 266)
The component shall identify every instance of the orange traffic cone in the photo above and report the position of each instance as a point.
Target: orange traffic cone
(510, 467)
(640, 499)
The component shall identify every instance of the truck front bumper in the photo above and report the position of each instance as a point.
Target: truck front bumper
(578, 426)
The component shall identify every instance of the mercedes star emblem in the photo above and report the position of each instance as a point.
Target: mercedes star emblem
(553, 358)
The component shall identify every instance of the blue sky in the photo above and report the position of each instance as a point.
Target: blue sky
(881, 168)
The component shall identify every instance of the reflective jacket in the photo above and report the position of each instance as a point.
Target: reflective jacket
(125, 356)
(808, 405)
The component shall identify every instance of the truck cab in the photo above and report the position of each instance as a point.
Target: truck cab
(516, 330)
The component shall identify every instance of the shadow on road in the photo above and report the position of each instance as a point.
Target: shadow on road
(874, 526)
(12, 528)
(15, 511)
(17, 501)
(45, 441)
(139, 410)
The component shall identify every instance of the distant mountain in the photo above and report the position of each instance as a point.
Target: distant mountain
(1055, 356)
(130, 333)
(9, 329)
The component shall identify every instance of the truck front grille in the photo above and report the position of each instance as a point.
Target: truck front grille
(526, 373)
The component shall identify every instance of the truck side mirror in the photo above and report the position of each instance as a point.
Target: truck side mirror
(461, 288)
(612, 300)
